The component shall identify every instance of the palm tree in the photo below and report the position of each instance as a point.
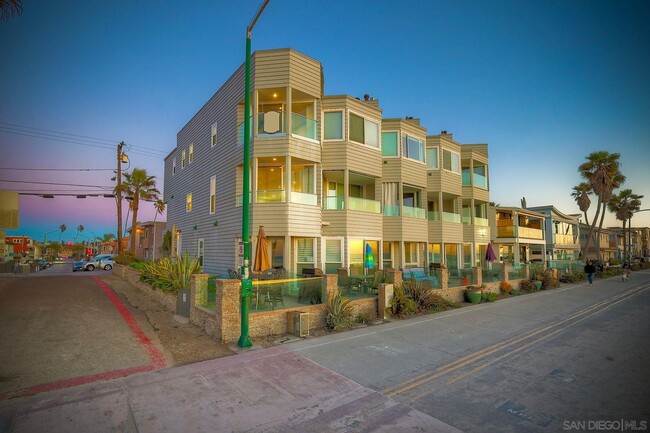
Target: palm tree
(159, 205)
(80, 228)
(581, 195)
(602, 173)
(63, 228)
(9, 8)
(139, 185)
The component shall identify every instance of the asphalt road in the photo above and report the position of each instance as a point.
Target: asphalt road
(569, 359)
(64, 330)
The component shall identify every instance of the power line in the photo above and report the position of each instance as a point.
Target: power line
(49, 132)
(53, 183)
(56, 169)
(83, 140)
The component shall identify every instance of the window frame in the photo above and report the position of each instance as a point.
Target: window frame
(174, 166)
(190, 157)
(365, 119)
(450, 170)
(183, 159)
(213, 195)
(213, 135)
(397, 143)
(437, 152)
(405, 147)
(188, 202)
(341, 112)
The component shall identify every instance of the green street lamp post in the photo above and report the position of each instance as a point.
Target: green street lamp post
(246, 282)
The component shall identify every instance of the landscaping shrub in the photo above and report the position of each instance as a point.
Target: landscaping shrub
(138, 266)
(573, 277)
(438, 303)
(488, 297)
(611, 272)
(126, 258)
(527, 286)
(170, 274)
(421, 293)
(515, 292)
(366, 319)
(505, 287)
(402, 305)
(339, 312)
(548, 282)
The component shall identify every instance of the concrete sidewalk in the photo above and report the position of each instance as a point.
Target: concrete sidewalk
(266, 390)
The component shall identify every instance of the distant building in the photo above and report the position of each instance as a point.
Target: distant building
(148, 239)
(517, 234)
(562, 234)
(23, 247)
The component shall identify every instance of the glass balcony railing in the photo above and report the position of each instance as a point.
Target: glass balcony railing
(239, 200)
(565, 239)
(480, 181)
(270, 123)
(240, 132)
(303, 126)
(506, 231)
(483, 222)
(467, 178)
(271, 196)
(451, 217)
(333, 203)
(467, 220)
(364, 205)
(414, 212)
(391, 210)
(529, 233)
(304, 198)
(433, 215)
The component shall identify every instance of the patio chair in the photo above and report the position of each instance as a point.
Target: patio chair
(346, 283)
(233, 274)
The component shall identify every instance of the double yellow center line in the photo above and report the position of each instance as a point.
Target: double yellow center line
(473, 360)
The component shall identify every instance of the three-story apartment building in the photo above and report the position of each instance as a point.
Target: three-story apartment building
(333, 182)
(562, 234)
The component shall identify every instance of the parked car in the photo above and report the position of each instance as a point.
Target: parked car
(106, 264)
(95, 262)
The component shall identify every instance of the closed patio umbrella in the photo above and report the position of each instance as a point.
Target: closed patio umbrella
(490, 256)
(370, 260)
(262, 261)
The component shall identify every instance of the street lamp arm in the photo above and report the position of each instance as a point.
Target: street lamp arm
(249, 29)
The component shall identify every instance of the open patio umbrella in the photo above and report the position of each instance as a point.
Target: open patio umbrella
(490, 256)
(262, 261)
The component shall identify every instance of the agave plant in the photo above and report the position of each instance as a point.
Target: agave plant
(339, 312)
(174, 274)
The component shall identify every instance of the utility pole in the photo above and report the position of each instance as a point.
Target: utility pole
(118, 195)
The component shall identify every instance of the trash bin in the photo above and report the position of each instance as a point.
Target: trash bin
(183, 303)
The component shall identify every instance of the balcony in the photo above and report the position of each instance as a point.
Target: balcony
(414, 212)
(270, 123)
(239, 200)
(530, 233)
(304, 126)
(451, 217)
(565, 239)
(483, 222)
(391, 210)
(304, 198)
(333, 203)
(364, 205)
(271, 196)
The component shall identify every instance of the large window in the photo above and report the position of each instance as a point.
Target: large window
(451, 161)
(302, 178)
(363, 130)
(269, 178)
(333, 128)
(213, 194)
(333, 255)
(304, 254)
(412, 148)
(432, 158)
(435, 256)
(387, 255)
(389, 143)
(188, 203)
(451, 256)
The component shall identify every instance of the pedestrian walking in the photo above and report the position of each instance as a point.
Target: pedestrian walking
(590, 269)
(626, 271)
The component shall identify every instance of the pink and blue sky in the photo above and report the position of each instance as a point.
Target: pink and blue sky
(544, 83)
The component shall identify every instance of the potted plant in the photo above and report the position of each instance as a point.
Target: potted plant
(473, 294)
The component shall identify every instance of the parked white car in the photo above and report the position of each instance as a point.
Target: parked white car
(99, 261)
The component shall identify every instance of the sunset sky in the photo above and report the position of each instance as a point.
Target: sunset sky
(544, 83)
